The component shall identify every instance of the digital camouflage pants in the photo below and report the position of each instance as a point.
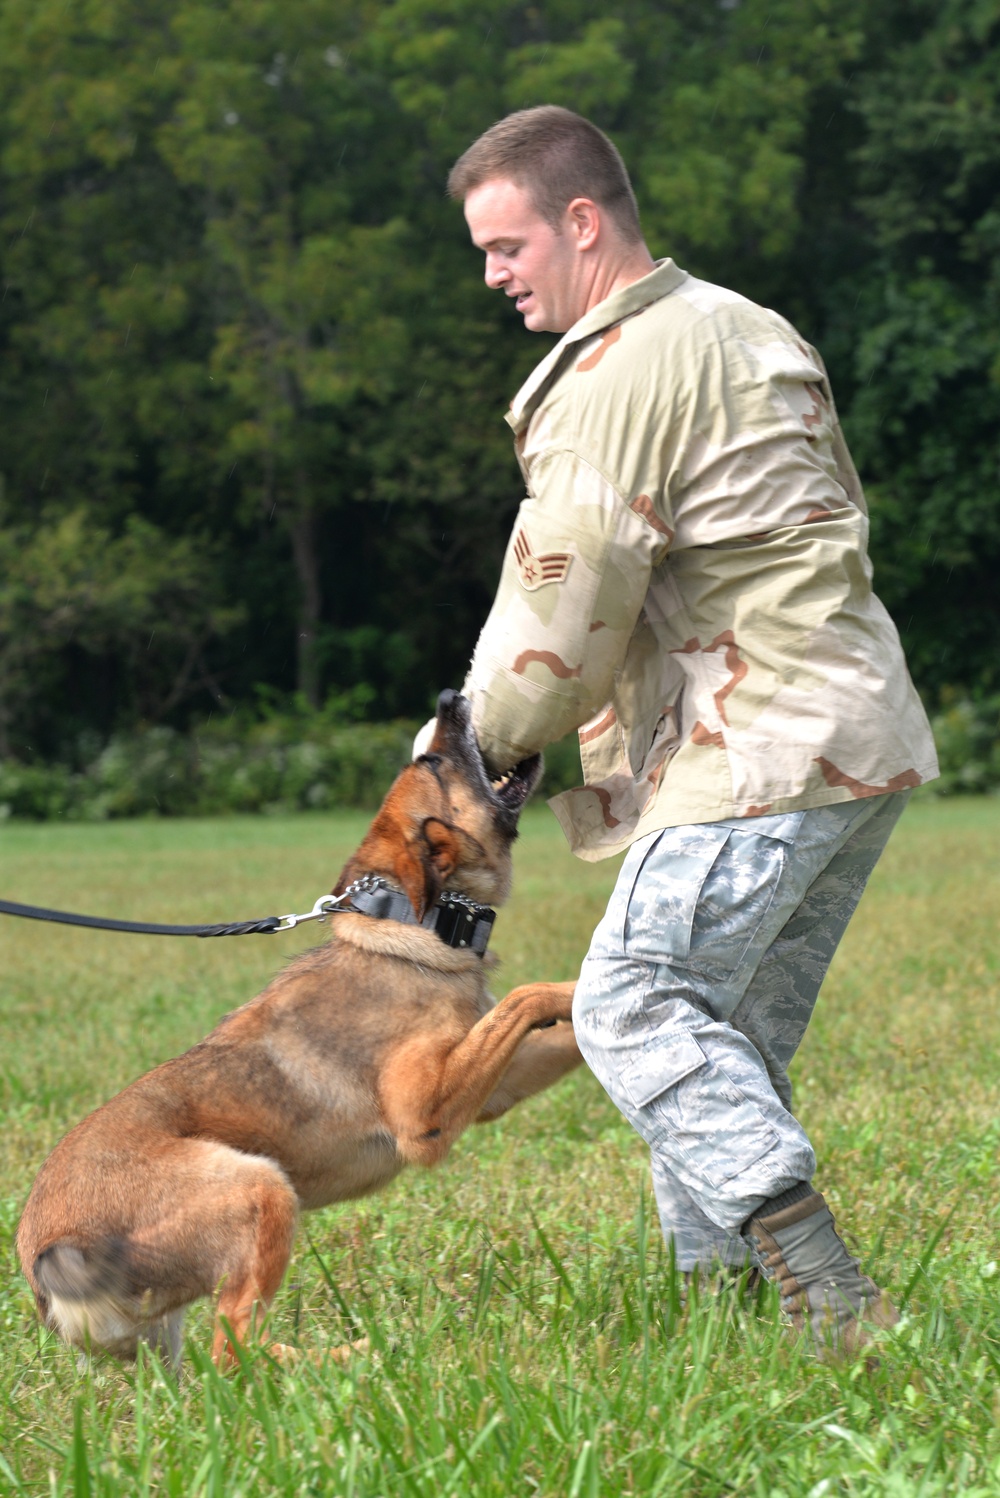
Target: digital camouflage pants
(697, 989)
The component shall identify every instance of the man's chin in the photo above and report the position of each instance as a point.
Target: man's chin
(536, 322)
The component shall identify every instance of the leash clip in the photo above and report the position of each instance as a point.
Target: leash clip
(325, 905)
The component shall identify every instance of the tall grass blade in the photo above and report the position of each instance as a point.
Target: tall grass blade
(82, 1483)
(553, 1257)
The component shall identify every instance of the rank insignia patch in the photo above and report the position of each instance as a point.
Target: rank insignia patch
(534, 572)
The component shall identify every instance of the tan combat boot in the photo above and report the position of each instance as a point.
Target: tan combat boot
(823, 1291)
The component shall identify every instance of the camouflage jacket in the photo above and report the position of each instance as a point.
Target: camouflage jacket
(688, 578)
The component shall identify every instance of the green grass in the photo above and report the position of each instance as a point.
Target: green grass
(525, 1327)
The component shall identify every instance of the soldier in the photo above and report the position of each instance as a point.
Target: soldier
(688, 584)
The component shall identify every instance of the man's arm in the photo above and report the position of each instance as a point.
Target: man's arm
(574, 579)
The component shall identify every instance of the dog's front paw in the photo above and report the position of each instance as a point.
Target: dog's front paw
(288, 1357)
(283, 1354)
(346, 1352)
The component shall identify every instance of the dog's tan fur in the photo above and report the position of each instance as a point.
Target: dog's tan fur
(366, 1054)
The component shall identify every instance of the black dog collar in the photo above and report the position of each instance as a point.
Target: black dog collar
(458, 921)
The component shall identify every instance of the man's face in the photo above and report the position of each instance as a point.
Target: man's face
(525, 257)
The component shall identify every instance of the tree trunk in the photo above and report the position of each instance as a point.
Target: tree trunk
(302, 527)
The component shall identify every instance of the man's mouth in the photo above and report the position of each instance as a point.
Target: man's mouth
(521, 298)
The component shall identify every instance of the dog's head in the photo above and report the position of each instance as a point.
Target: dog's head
(444, 825)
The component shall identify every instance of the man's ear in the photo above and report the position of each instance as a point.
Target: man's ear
(584, 222)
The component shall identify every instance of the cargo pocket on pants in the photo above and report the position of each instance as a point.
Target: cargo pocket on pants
(661, 1066)
(665, 889)
(687, 1106)
(734, 901)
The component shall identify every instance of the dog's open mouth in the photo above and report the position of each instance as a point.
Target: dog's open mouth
(508, 791)
(513, 788)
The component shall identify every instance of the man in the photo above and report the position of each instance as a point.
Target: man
(688, 584)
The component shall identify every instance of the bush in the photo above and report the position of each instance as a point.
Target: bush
(562, 766)
(305, 762)
(967, 734)
(285, 762)
(39, 792)
(160, 772)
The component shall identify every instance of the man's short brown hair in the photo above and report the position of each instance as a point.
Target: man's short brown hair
(556, 156)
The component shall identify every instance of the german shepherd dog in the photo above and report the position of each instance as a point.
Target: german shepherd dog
(368, 1053)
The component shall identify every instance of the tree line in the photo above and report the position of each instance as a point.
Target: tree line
(252, 383)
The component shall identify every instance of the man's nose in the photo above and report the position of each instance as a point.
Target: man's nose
(497, 273)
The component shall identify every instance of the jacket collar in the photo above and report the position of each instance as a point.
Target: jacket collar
(614, 309)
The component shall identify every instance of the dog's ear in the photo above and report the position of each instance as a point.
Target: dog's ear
(444, 848)
(418, 861)
(425, 863)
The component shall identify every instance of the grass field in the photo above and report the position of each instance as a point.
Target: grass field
(526, 1334)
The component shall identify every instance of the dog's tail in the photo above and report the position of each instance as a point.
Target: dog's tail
(68, 1271)
(91, 1292)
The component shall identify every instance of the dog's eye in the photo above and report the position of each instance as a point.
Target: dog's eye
(432, 761)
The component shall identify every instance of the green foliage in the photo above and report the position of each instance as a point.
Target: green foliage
(68, 586)
(722, 163)
(967, 735)
(161, 772)
(237, 308)
(280, 762)
(925, 416)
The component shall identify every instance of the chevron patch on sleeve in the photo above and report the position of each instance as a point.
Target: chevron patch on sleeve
(534, 572)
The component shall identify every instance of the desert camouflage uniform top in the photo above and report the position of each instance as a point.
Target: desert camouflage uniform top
(689, 573)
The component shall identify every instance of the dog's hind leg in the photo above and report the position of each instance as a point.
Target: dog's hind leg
(258, 1261)
(209, 1219)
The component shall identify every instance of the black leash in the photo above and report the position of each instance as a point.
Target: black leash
(265, 926)
(456, 920)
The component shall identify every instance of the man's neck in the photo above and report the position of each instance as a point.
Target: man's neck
(614, 272)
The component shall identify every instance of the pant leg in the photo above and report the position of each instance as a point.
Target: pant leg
(778, 1004)
(693, 914)
(698, 1243)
